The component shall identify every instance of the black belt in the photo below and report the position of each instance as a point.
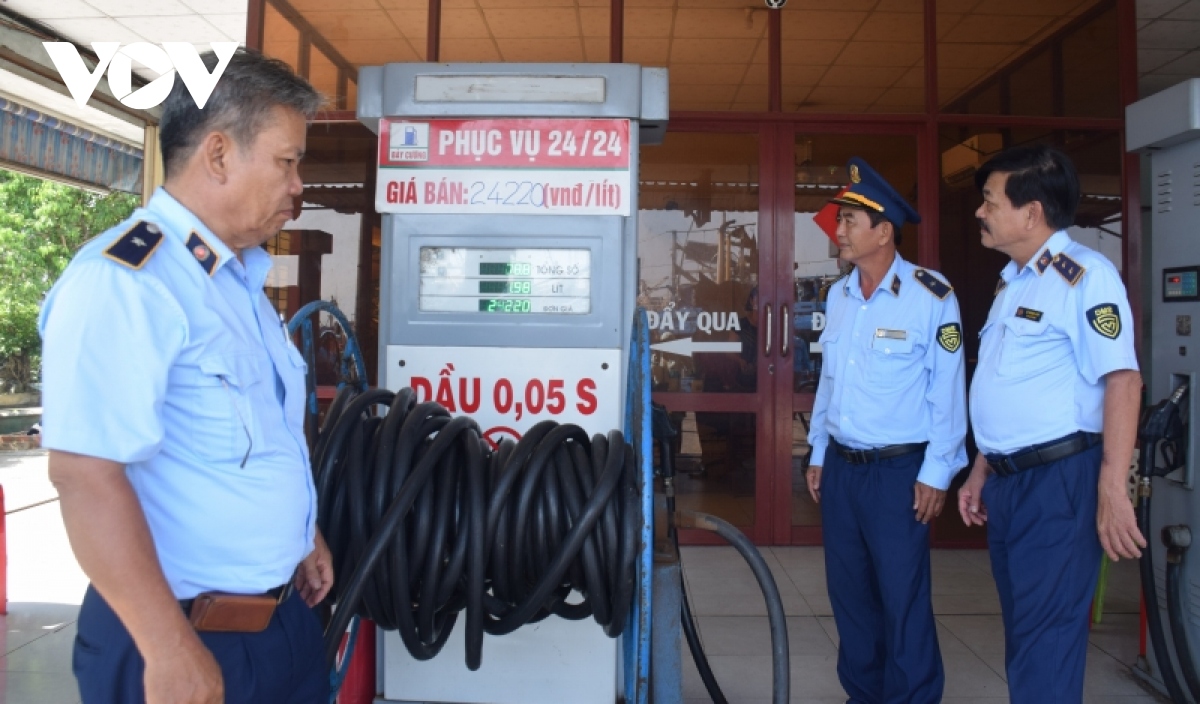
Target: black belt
(280, 594)
(1045, 453)
(876, 454)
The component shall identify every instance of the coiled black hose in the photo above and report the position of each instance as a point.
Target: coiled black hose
(425, 521)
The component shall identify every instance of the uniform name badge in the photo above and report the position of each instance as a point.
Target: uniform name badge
(891, 341)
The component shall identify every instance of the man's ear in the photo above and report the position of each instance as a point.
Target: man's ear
(215, 153)
(1036, 214)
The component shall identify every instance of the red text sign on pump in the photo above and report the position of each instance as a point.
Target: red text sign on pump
(517, 166)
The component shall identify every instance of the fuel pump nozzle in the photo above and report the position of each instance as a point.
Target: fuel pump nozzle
(1164, 424)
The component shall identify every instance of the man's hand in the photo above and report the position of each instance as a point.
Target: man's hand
(1117, 526)
(970, 495)
(813, 476)
(187, 674)
(927, 502)
(1115, 522)
(314, 576)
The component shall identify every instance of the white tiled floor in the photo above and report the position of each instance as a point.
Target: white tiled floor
(733, 629)
(46, 585)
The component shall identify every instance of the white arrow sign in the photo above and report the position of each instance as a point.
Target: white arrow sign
(686, 346)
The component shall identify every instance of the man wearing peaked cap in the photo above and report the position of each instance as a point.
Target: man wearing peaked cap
(1056, 369)
(887, 436)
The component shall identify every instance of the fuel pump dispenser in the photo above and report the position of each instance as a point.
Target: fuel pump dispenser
(1166, 126)
(508, 287)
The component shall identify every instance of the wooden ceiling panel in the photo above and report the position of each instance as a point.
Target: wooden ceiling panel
(723, 24)
(913, 6)
(911, 99)
(955, 79)
(712, 51)
(596, 49)
(703, 74)
(306, 6)
(463, 49)
(648, 22)
(410, 23)
(545, 22)
(353, 26)
(913, 77)
(594, 21)
(974, 55)
(812, 53)
(418, 6)
(842, 96)
(541, 49)
(752, 94)
(821, 25)
(803, 75)
(807, 5)
(647, 51)
(715, 94)
(861, 76)
(463, 24)
(881, 54)
(996, 28)
(890, 26)
(376, 52)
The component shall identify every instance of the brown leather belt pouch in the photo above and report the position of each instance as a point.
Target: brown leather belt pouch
(231, 613)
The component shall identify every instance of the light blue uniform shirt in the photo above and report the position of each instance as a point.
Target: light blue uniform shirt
(174, 372)
(1056, 327)
(892, 371)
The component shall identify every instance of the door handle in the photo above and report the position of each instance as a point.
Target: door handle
(785, 336)
(768, 328)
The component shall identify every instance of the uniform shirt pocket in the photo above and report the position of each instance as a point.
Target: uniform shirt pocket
(894, 361)
(829, 351)
(225, 424)
(1027, 349)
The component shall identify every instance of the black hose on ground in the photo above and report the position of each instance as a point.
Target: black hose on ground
(780, 676)
(664, 431)
(1178, 539)
(425, 522)
(1150, 591)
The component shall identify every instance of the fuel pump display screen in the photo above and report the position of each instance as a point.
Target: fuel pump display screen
(505, 281)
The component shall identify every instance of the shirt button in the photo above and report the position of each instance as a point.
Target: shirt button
(864, 307)
(852, 361)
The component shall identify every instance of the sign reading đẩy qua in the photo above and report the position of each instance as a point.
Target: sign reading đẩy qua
(521, 166)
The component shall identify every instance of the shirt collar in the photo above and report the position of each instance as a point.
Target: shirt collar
(892, 281)
(1044, 259)
(181, 223)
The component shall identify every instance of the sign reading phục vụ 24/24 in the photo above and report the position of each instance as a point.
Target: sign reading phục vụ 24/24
(518, 166)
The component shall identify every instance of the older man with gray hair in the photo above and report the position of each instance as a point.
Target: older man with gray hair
(174, 418)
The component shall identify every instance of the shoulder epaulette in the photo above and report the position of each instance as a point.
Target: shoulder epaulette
(935, 285)
(133, 249)
(1068, 268)
(205, 255)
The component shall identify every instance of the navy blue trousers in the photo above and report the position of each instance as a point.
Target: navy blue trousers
(877, 570)
(285, 664)
(1045, 557)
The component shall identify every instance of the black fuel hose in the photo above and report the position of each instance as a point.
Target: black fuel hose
(1150, 588)
(1178, 539)
(425, 522)
(780, 674)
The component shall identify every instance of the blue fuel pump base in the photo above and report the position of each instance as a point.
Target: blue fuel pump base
(1159, 427)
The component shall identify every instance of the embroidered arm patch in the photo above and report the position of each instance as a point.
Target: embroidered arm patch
(1105, 319)
(949, 337)
(935, 285)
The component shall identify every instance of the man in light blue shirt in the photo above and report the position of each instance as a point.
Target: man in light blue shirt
(887, 435)
(1056, 369)
(174, 416)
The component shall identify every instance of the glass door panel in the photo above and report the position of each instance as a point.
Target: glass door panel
(699, 255)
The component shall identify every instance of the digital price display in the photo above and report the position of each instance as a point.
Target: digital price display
(512, 281)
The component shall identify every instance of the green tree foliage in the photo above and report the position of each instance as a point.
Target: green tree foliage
(42, 225)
